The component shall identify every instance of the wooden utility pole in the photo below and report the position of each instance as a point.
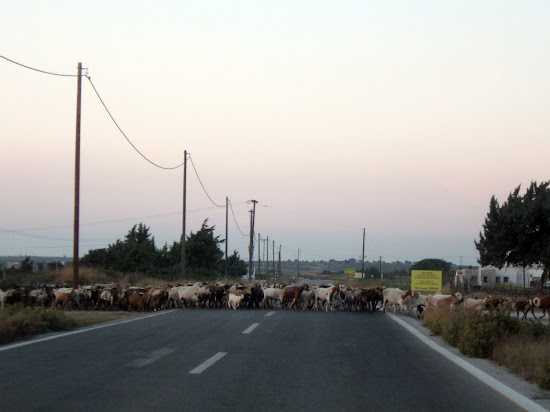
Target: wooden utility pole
(184, 212)
(273, 249)
(279, 271)
(363, 257)
(226, 222)
(251, 246)
(298, 263)
(259, 254)
(381, 274)
(77, 178)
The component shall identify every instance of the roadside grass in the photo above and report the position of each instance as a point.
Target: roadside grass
(521, 347)
(20, 322)
(526, 357)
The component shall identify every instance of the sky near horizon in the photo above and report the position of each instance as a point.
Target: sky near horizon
(401, 117)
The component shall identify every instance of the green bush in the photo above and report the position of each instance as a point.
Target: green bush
(452, 331)
(482, 332)
(534, 330)
(544, 382)
(435, 326)
(474, 333)
(18, 321)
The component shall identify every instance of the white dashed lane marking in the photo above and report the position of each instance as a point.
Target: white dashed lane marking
(250, 328)
(153, 357)
(269, 314)
(206, 364)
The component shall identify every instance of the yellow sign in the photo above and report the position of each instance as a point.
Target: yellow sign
(426, 280)
(350, 273)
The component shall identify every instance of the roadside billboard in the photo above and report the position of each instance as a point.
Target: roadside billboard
(350, 273)
(426, 280)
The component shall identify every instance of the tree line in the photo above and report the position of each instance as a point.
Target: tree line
(138, 253)
(517, 233)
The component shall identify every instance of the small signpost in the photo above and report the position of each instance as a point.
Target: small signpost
(350, 273)
(426, 280)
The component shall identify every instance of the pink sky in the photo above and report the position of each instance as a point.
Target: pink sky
(400, 118)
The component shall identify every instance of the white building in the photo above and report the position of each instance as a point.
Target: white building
(492, 276)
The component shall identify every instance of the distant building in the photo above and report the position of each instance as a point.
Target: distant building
(13, 265)
(491, 276)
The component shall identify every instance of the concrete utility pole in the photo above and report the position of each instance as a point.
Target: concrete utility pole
(363, 257)
(267, 257)
(184, 212)
(298, 263)
(381, 274)
(226, 224)
(251, 246)
(77, 178)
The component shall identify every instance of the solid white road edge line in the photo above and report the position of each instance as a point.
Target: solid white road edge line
(498, 386)
(250, 328)
(206, 364)
(76, 332)
(153, 357)
(270, 313)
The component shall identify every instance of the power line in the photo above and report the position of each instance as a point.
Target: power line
(123, 134)
(107, 221)
(38, 70)
(104, 105)
(49, 247)
(235, 219)
(15, 232)
(203, 188)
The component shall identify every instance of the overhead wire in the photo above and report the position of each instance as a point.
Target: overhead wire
(235, 219)
(104, 105)
(124, 134)
(38, 70)
(144, 157)
(15, 232)
(107, 221)
(200, 181)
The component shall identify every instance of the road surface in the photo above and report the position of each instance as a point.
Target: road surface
(225, 360)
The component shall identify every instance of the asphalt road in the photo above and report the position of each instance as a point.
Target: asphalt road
(222, 360)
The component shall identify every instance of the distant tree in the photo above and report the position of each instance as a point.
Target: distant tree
(140, 253)
(372, 272)
(94, 258)
(26, 265)
(236, 267)
(203, 254)
(434, 264)
(494, 243)
(534, 245)
(518, 232)
(55, 265)
(137, 253)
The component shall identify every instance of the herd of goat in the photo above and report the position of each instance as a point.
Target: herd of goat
(267, 295)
